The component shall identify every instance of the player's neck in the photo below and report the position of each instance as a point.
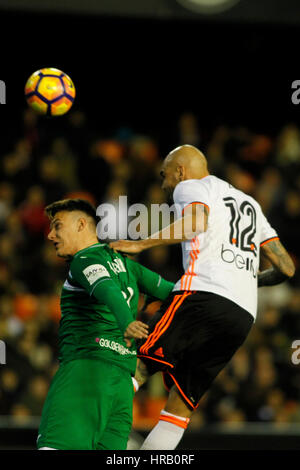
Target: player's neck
(87, 243)
(204, 175)
(197, 175)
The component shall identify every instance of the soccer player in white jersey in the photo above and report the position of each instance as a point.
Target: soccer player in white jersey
(213, 305)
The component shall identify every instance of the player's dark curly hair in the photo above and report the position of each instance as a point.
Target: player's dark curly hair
(72, 205)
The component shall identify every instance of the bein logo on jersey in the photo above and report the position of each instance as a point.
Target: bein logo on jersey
(240, 262)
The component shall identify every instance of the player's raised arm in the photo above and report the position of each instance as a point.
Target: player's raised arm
(282, 268)
(193, 221)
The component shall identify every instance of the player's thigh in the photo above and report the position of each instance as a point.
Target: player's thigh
(212, 338)
(77, 406)
(116, 433)
(176, 404)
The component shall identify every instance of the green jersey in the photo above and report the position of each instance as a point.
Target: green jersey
(99, 300)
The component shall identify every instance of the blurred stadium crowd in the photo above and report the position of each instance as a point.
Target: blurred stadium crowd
(49, 161)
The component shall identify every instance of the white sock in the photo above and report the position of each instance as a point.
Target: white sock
(167, 433)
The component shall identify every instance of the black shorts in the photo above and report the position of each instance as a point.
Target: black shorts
(191, 339)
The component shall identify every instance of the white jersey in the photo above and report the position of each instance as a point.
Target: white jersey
(224, 259)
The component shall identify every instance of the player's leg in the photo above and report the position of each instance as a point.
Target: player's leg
(159, 353)
(206, 332)
(141, 373)
(173, 421)
(72, 416)
(118, 426)
(175, 404)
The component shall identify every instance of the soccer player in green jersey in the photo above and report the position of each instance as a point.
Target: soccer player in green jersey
(89, 403)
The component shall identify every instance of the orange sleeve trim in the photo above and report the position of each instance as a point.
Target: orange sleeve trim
(157, 360)
(176, 421)
(269, 240)
(192, 203)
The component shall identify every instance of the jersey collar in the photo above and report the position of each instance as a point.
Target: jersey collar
(89, 247)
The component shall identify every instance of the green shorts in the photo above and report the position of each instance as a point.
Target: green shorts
(88, 407)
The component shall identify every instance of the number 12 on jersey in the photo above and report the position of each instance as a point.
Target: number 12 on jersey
(242, 225)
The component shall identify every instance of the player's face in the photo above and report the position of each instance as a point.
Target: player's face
(169, 178)
(63, 234)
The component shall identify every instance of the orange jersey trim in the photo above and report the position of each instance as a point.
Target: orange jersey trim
(269, 240)
(192, 203)
(177, 421)
(191, 270)
(186, 279)
(196, 252)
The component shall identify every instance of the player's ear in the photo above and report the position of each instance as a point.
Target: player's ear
(81, 224)
(181, 172)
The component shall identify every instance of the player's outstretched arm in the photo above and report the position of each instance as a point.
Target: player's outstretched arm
(283, 267)
(193, 222)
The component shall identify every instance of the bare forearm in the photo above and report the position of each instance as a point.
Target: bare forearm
(179, 231)
(170, 235)
(282, 264)
(185, 228)
(271, 277)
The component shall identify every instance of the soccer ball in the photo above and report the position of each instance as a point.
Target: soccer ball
(50, 91)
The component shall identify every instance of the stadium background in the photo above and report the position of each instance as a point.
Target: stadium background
(147, 82)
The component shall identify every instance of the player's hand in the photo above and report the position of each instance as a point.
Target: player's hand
(136, 330)
(127, 246)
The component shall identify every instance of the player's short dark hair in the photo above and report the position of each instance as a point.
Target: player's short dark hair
(71, 205)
